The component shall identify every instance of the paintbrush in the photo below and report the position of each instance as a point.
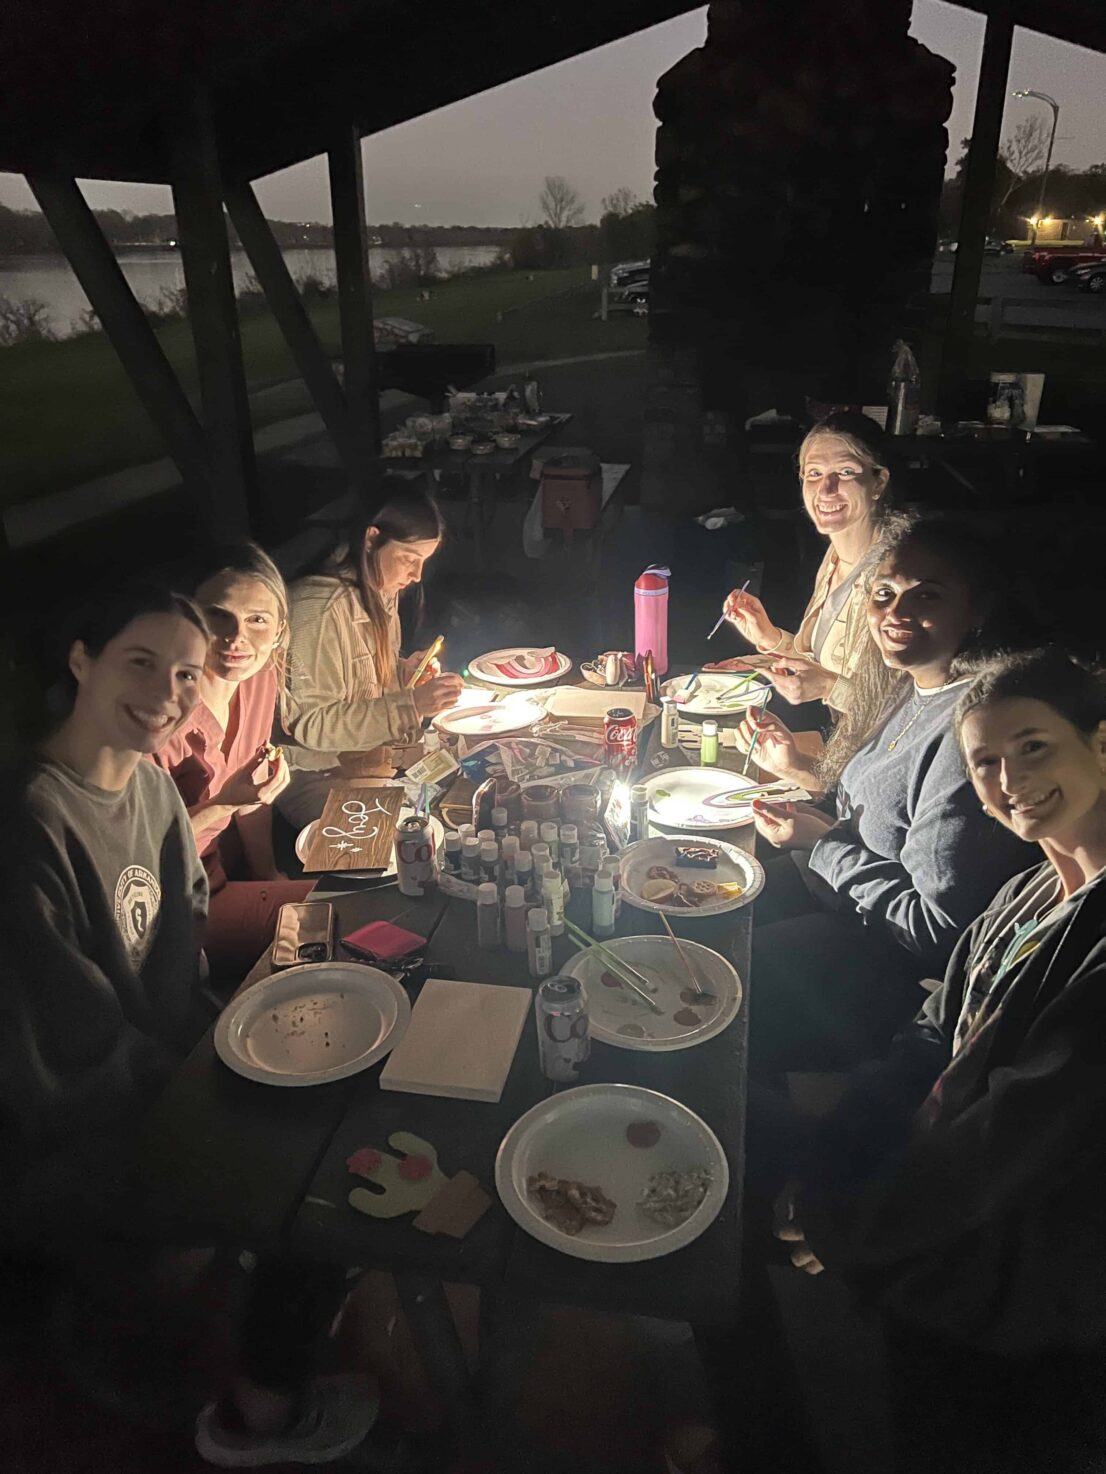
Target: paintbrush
(617, 965)
(431, 654)
(693, 977)
(722, 617)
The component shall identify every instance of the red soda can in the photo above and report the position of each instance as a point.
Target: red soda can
(620, 739)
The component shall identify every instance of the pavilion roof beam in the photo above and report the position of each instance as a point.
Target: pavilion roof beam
(351, 259)
(127, 327)
(975, 209)
(287, 307)
(213, 316)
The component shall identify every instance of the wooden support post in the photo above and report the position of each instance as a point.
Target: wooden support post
(213, 315)
(975, 210)
(293, 320)
(127, 327)
(351, 256)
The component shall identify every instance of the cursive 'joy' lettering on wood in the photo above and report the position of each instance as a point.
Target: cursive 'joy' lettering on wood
(356, 830)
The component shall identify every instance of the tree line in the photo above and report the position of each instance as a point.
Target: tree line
(1019, 172)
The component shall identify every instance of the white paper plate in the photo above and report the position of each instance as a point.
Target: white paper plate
(678, 799)
(581, 1134)
(489, 719)
(733, 866)
(708, 696)
(618, 1016)
(307, 834)
(484, 667)
(310, 1024)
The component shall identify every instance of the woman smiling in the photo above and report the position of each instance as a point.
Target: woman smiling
(959, 1183)
(873, 900)
(221, 760)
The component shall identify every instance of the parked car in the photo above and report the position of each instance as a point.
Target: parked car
(633, 293)
(994, 246)
(1054, 264)
(1089, 278)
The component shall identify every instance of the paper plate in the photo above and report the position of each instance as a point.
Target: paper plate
(718, 693)
(619, 1017)
(581, 1135)
(307, 834)
(310, 1024)
(520, 665)
(734, 866)
(489, 719)
(678, 799)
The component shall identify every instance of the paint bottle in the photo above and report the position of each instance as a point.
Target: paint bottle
(514, 918)
(570, 854)
(539, 944)
(602, 905)
(708, 745)
(550, 835)
(489, 861)
(452, 860)
(499, 823)
(487, 915)
(466, 831)
(612, 866)
(553, 894)
(486, 836)
(470, 859)
(509, 853)
(524, 876)
(670, 723)
(639, 812)
(539, 852)
(527, 833)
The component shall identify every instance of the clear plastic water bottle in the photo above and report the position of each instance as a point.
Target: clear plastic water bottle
(904, 392)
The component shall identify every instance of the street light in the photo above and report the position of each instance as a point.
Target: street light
(1055, 106)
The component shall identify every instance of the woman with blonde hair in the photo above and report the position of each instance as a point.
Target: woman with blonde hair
(346, 701)
(845, 482)
(222, 762)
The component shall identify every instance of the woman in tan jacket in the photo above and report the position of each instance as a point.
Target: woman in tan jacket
(844, 478)
(345, 701)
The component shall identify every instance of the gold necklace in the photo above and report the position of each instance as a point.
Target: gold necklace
(918, 709)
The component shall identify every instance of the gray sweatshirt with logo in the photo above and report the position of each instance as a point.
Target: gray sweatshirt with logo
(912, 852)
(102, 899)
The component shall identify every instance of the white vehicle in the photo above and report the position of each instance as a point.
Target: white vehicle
(625, 270)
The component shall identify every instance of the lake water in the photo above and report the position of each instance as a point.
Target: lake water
(151, 273)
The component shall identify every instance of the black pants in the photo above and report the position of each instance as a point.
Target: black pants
(826, 992)
(955, 1408)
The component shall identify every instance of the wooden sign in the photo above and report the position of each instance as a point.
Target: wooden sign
(356, 831)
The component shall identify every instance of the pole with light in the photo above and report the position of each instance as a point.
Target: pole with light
(1055, 106)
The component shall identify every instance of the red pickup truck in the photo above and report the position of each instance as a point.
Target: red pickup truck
(1052, 264)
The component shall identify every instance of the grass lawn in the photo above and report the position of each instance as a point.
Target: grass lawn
(68, 412)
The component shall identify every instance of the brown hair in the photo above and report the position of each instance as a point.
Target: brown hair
(248, 560)
(405, 513)
(1075, 691)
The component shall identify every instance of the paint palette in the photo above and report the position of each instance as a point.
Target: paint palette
(520, 665)
(698, 799)
(712, 693)
(687, 1016)
(489, 719)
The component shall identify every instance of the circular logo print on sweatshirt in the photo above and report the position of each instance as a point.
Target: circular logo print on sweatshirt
(137, 900)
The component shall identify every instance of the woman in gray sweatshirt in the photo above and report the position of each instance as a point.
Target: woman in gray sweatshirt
(873, 899)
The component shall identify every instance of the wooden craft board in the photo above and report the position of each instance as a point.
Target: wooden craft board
(357, 829)
(460, 1042)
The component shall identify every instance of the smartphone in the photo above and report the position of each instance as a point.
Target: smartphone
(304, 933)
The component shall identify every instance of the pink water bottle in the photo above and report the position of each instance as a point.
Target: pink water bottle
(651, 616)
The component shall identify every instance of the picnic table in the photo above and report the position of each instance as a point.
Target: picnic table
(479, 472)
(237, 1163)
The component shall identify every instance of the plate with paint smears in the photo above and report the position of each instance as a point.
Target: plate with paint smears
(688, 1016)
(681, 798)
(717, 693)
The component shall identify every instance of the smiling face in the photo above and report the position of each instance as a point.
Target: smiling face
(919, 613)
(1036, 772)
(143, 684)
(395, 565)
(246, 624)
(840, 488)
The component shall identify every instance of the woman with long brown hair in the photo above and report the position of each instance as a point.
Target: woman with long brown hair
(346, 700)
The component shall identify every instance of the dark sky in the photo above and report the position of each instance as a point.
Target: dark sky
(482, 161)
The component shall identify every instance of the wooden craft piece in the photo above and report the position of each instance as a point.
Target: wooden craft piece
(409, 1181)
(356, 830)
(414, 1183)
(457, 1208)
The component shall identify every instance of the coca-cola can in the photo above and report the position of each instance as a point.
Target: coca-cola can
(620, 739)
(564, 1036)
(416, 862)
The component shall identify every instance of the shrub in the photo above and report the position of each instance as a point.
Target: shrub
(25, 322)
